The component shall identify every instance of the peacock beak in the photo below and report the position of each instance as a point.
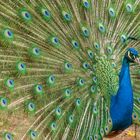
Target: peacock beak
(137, 60)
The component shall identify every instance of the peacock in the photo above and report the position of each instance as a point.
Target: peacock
(69, 69)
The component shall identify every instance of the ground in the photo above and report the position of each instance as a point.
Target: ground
(132, 133)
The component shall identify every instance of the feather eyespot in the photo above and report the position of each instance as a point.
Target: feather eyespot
(46, 13)
(90, 54)
(58, 111)
(75, 44)
(36, 51)
(138, 100)
(71, 119)
(90, 138)
(26, 15)
(86, 4)
(111, 12)
(114, 65)
(21, 67)
(101, 28)
(109, 50)
(85, 65)
(33, 134)
(93, 89)
(95, 137)
(97, 46)
(38, 89)
(67, 16)
(94, 79)
(95, 110)
(78, 102)
(10, 83)
(3, 102)
(8, 33)
(53, 126)
(8, 136)
(68, 66)
(51, 79)
(68, 92)
(129, 7)
(102, 132)
(31, 107)
(85, 32)
(81, 82)
(123, 38)
(55, 42)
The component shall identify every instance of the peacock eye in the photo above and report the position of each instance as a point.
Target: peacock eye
(75, 44)
(21, 67)
(85, 32)
(53, 126)
(8, 136)
(58, 111)
(68, 92)
(90, 138)
(36, 51)
(81, 82)
(97, 46)
(90, 54)
(113, 65)
(71, 118)
(111, 12)
(8, 33)
(31, 107)
(134, 116)
(86, 4)
(51, 79)
(109, 50)
(95, 137)
(129, 8)
(123, 38)
(138, 100)
(106, 129)
(10, 83)
(109, 121)
(94, 79)
(102, 131)
(85, 65)
(55, 40)
(26, 15)
(78, 102)
(3, 102)
(95, 110)
(93, 89)
(101, 28)
(38, 89)
(33, 135)
(68, 66)
(46, 13)
(67, 16)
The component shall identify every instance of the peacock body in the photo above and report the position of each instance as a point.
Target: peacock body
(68, 68)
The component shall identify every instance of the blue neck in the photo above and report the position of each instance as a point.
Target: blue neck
(122, 104)
(124, 71)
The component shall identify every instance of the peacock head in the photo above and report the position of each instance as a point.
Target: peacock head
(132, 56)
